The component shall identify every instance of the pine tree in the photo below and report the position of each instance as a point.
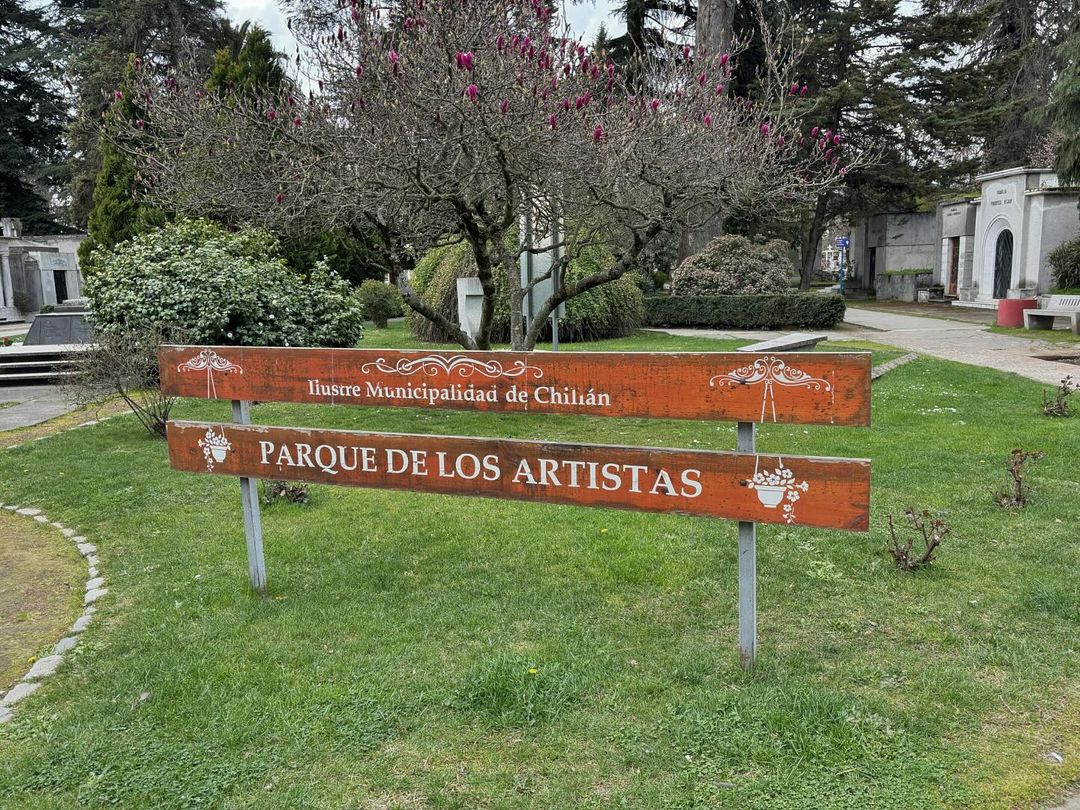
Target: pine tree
(116, 213)
(32, 115)
(104, 34)
(998, 73)
(1064, 112)
(254, 66)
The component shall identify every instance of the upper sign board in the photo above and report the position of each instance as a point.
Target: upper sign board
(804, 388)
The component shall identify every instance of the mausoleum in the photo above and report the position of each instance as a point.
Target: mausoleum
(1020, 216)
(37, 272)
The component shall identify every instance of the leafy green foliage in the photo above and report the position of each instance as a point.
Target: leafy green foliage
(32, 114)
(613, 309)
(733, 265)
(379, 301)
(220, 287)
(354, 258)
(1064, 108)
(1064, 263)
(802, 310)
(256, 67)
(103, 35)
(116, 214)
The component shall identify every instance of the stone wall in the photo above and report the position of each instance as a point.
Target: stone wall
(902, 286)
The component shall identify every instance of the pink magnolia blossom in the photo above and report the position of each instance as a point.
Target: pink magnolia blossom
(724, 58)
(805, 90)
(814, 132)
(553, 120)
(297, 121)
(654, 105)
(720, 89)
(394, 57)
(280, 197)
(465, 60)
(359, 71)
(504, 106)
(707, 120)
(500, 42)
(597, 134)
(781, 140)
(764, 129)
(140, 123)
(794, 88)
(271, 114)
(471, 92)
(701, 78)
(836, 139)
(566, 104)
(583, 100)
(685, 51)
(118, 95)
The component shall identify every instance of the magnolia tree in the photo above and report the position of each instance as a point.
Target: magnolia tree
(436, 121)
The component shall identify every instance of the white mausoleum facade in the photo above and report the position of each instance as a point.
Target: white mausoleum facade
(996, 246)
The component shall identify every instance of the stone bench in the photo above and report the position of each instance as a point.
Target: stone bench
(1059, 306)
(785, 343)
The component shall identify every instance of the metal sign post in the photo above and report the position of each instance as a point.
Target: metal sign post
(843, 243)
(249, 499)
(747, 567)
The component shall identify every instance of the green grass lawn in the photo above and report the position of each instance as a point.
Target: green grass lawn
(427, 651)
(1049, 335)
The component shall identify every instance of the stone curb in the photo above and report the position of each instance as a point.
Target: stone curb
(885, 368)
(95, 589)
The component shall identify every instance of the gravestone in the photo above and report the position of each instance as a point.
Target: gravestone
(66, 325)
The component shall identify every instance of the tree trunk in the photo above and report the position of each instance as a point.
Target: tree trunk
(715, 20)
(713, 35)
(811, 244)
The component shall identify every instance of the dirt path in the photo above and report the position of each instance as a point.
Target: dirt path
(41, 592)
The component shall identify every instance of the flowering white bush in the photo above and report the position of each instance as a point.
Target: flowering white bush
(218, 287)
(733, 265)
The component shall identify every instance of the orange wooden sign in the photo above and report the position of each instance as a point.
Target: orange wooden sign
(827, 493)
(806, 387)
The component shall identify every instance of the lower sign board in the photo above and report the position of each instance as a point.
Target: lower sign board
(823, 492)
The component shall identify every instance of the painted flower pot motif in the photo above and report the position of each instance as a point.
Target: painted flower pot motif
(770, 496)
(777, 486)
(215, 446)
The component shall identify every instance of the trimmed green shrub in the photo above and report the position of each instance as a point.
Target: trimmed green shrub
(733, 265)
(793, 310)
(614, 309)
(1065, 264)
(219, 287)
(380, 302)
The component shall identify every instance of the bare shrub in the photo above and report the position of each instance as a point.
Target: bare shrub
(1057, 403)
(284, 491)
(125, 363)
(927, 530)
(1016, 493)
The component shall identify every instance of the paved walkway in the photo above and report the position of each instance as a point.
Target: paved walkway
(34, 404)
(961, 341)
(13, 329)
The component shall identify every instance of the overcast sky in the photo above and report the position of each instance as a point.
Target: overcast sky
(585, 19)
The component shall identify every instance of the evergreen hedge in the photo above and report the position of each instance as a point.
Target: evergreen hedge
(792, 310)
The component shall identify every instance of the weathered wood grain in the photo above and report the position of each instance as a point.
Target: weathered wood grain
(807, 388)
(828, 493)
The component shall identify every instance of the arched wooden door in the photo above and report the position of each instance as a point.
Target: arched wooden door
(1003, 260)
